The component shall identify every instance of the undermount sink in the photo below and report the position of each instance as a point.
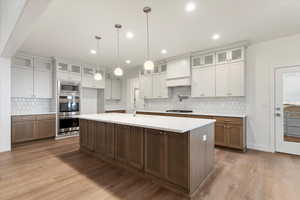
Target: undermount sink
(180, 111)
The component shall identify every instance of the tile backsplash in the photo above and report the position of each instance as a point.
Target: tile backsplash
(31, 105)
(219, 105)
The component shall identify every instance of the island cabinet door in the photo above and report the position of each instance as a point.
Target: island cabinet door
(154, 152)
(83, 133)
(136, 147)
(91, 135)
(122, 133)
(100, 144)
(110, 140)
(176, 162)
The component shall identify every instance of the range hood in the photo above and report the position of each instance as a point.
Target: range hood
(179, 72)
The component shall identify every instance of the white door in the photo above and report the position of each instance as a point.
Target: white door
(287, 110)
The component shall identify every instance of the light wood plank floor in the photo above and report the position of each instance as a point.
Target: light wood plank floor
(55, 170)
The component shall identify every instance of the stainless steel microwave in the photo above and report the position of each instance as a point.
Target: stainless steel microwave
(69, 88)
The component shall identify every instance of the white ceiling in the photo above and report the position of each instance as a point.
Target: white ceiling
(68, 27)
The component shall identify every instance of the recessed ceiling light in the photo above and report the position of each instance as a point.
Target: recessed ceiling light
(215, 37)
(128, 61)
(93, 51)
(164, 51)
(190, 7)
(129, 35)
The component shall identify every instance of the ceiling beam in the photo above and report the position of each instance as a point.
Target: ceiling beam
(23, 24)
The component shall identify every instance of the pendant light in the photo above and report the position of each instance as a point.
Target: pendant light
(118, 71)
(148, 65)
(98, 75)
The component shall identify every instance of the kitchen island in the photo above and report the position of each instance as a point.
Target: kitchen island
(175, 152)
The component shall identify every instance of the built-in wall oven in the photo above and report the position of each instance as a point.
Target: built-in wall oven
(68, 108)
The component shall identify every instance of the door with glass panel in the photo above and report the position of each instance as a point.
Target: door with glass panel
(287, 110)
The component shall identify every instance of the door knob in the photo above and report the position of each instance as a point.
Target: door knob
(277, 114)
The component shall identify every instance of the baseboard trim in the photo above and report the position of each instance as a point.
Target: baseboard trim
(259, 147)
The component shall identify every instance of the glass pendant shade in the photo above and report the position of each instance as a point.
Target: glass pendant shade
(149, 65)
(98, 76)
(118, 71)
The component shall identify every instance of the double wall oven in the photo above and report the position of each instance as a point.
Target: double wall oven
(68, 108)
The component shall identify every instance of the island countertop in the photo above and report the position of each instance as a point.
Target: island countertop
(172, 124)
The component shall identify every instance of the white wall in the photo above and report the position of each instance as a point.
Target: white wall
(5, 105)
(262, 59)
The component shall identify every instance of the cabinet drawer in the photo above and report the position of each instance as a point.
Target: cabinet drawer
(22, 118)
(231, 120)
(45, 117)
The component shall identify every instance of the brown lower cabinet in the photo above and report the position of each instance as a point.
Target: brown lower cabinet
(230, 132)
(32, 127)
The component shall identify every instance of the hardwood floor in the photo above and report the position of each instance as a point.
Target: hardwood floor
(292, 139)
(55, 170)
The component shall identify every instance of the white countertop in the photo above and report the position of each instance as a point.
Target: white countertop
(173, 124)
(197, 113)
(42, 113)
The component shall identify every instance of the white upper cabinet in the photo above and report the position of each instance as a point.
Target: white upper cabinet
(147, 86)
(230, 79)
(237, 79)
(154, 84)
(203, 82)
(178, 68)
(88, 80)
(179, 72)
(32, 77)
(43, 84)
(159, 86)
(222, 80)
(68, 71)
(229, 56)
(113, 88)
(107, 89)
(22, 74)
(203, 60)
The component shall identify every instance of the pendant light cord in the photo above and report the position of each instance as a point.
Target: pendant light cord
(118, 46)
(148, 46)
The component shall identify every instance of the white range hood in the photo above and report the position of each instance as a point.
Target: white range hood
(179, 72)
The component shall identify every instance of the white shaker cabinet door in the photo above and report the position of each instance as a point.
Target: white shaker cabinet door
(147, 86)
(222, 80)
(43, 84)
(203, 82)
(116, 89)
(22, 82)
(43, 81)
(156, 86)
(163, 86)
(107, 89)
(236, 79)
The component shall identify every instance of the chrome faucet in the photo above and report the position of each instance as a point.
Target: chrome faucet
(181, 97)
